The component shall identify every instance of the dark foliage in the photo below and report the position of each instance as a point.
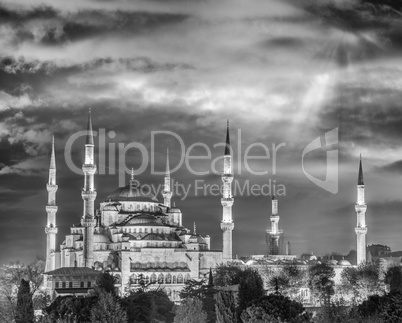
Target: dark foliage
(276, 307)
(250, 288)
(24, 312)
(143, 307)
(200, 290)
(393, 277)
(227, 275)
(78, 308)
(105, 281)
(320, 281)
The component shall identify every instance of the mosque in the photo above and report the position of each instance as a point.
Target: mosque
(138, 238)
(133, 235)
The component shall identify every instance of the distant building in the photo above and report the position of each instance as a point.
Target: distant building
(378, 250)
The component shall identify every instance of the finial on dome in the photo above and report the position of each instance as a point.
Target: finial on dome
(195, 228)
(132, 173)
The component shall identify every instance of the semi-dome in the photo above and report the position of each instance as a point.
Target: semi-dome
(101, 238)
(109, 207)
(130, 193)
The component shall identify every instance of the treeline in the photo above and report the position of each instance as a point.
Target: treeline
(232, 294)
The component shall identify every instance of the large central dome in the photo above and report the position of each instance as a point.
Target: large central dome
(135, 194)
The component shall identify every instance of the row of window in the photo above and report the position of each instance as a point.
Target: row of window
(70, 284)
(151, 230)
(161, 279)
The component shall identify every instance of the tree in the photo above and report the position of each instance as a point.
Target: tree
(24, 312)
(321, 283)
(250, 288)
(227, 275)
(107, 310)
(275, 308)
(225, 307)
(190, 311)
(393, 277)
(69, 307)
(205, 293)
(105, 282)
(10, 278)
(362, 281)
(148, 306)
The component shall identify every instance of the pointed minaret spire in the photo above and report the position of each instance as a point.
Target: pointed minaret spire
(360, 180)
(167, 191)
(90, 137)
(51, 210)
(227, 145)
(227, 224)
(361, 227)
(52, 157)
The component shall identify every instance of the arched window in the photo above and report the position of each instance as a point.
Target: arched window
(168, 279)
(153, 278)
(187, 278)
(180, 279)
(174, 279)
(160, 279)
(147, 279)
(133, 279)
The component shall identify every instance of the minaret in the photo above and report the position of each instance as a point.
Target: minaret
(361, 207)
(167, 192)
(227, 224)
(274, 232)
(51, 209)
(88, 195)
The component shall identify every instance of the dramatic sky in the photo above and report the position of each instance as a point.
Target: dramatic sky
(280, 71)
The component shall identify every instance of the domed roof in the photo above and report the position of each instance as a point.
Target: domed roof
(101, 238)
(344, 262)
(132, 193)
(333, 262)
(145, 219)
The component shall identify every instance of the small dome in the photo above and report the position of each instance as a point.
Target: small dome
(312, 257)
(174, 210)
(333, 262)
(344, 262)
(100, 238)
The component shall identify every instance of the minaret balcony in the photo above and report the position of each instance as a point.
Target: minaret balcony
(225, 226)
(52, 188)
(227, 202)
(51, 230)
(51, 208)
(361, 230)
(89, 169)
(88, 195)
(361, 208)
(88, 222)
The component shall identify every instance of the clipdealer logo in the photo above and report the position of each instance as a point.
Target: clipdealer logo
(328, 144)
